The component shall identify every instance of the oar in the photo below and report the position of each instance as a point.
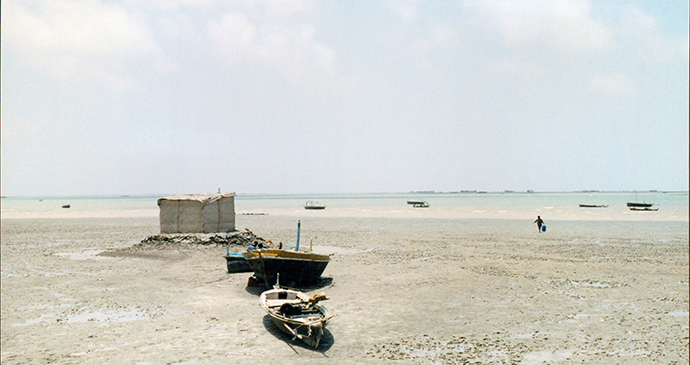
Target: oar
(293, 332)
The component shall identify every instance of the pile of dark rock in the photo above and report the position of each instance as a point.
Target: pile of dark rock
(237, 238)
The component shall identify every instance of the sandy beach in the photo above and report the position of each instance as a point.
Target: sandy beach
(404, 291)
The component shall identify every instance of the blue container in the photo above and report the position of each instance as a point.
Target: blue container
(543, 228)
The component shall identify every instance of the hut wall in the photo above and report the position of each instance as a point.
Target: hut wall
(206, 213)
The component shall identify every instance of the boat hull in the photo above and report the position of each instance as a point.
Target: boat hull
(639, 205)
(294, 267)
(311, 335)
(237, 263)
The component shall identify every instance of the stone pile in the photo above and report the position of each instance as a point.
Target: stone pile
(243, 239)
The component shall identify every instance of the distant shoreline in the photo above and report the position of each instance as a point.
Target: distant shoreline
(296, 195)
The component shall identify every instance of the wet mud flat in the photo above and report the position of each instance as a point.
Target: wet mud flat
(404, 291)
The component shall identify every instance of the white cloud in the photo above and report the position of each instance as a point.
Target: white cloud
(566, 26)
(612, 85)
(406, 10)
(640, 33)
(78, 38)
(289, 48)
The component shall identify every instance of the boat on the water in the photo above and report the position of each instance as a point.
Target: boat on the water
(66, 206)
(237, 263)
(415, 202)
(639, 205)
(423, 204)
(314, 206)
(297, 314)
(644, 209)
(593, 206)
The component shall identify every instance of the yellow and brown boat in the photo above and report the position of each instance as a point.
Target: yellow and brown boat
(295, 267)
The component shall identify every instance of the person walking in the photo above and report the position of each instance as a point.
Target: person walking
(539, 223)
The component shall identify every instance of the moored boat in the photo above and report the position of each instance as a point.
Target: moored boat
(644, 209)
(297, 314)
(639, 205)
(593, 206)
(314, 206)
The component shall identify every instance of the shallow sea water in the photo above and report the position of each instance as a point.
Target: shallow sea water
(551, 206)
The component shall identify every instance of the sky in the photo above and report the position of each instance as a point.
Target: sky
(105, 97)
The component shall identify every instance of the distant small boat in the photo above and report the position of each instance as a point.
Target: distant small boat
(593, 206)
(421, 205)
(66, 206)
(639, 205)
(644, 209)
(297, 314)
(314, 206)
(413, 202)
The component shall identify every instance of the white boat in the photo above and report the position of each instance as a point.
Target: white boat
(297, 314)
(314, 206)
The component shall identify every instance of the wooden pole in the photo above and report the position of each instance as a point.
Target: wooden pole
(298, 227)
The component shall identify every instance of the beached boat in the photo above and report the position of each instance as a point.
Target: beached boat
(66, 206)
(297, 314)
(593, 206)
(237, 263)
(421, 205)
(295, 267)
(314, 206)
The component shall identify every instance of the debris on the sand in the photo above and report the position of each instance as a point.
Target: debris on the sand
(242, 238)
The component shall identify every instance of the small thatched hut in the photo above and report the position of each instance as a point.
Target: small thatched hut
(197, 213)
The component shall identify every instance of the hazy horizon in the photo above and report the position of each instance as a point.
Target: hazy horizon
(305, 97)
(307, 194)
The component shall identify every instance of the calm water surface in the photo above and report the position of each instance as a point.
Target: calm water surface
(551, 206)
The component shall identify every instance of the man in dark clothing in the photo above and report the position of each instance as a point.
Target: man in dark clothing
(539, 223)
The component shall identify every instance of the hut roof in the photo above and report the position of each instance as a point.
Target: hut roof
(205, 198)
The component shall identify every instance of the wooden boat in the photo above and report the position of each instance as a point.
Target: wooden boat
(294, 267)
(644, 209)
(297, 314)
(314, 206)
(66, 206)
(421, 205)
(593, 206)
(639, 205)
(237, 263)
(414, 202)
